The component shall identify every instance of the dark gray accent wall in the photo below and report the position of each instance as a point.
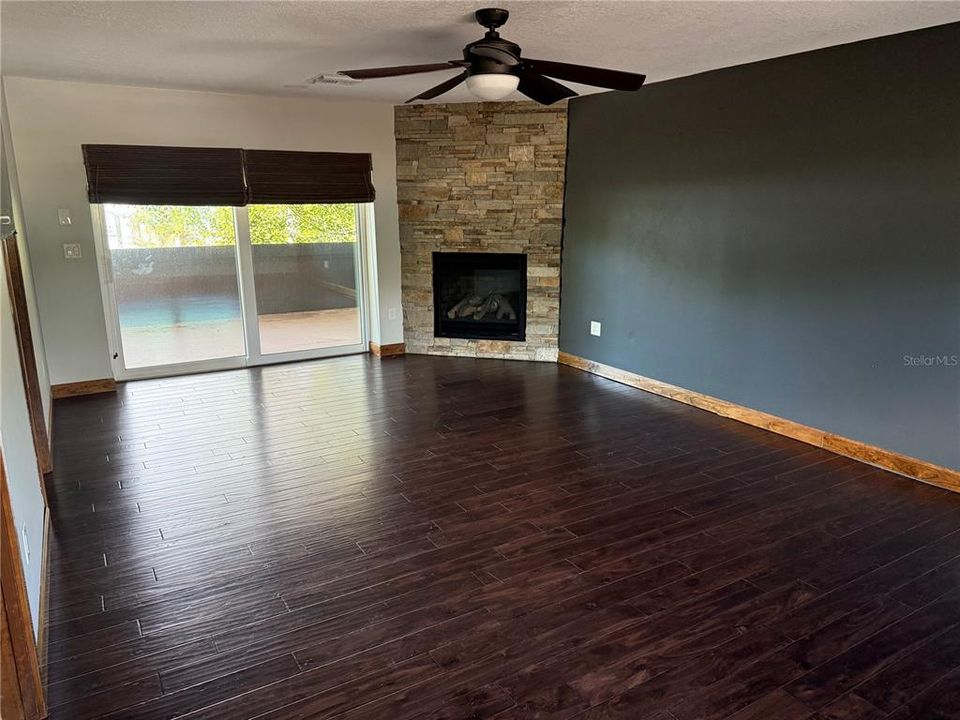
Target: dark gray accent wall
(784, 235)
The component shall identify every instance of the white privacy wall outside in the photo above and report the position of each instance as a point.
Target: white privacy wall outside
(50, 120)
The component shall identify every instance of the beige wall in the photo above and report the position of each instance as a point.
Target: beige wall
(50, 120)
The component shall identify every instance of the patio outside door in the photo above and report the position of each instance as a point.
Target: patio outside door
(190, 289)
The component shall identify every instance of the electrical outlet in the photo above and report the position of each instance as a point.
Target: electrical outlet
(71, 251)
(391, 313)
(326, 264)
(595, 328)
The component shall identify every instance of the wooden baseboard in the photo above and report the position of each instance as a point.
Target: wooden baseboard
(886, 459)
(84, 387)
(385, 351)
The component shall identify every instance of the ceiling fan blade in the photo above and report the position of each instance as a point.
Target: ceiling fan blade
(385, 72)
(441, 88)
(494, 53)
(598, 77)
(542, 89)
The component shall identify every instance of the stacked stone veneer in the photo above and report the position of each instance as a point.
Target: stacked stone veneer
(481, 177)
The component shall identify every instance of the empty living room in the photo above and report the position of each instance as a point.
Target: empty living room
(425, 360)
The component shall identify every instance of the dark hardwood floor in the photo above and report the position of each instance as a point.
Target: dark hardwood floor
(447, 538)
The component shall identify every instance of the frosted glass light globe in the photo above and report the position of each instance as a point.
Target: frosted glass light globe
(492, 86)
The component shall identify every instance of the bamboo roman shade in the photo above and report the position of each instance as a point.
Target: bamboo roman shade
(279, 176)
(160, 175)
(157, 175)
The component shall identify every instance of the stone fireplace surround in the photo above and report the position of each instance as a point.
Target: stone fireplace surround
(481, 177)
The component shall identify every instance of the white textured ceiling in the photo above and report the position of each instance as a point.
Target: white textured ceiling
(260, 47)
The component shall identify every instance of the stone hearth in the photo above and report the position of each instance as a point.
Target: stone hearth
(481, 177)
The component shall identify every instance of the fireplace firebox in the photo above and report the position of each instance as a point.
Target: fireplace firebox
(480, 295)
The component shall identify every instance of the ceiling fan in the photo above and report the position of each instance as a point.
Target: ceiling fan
(492, 68)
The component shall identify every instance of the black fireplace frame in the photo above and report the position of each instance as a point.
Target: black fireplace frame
(465, 328)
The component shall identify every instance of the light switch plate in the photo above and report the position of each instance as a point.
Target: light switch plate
(63, 214)
(71, 251)
(595, 328)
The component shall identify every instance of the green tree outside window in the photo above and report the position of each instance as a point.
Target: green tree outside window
(183, 226)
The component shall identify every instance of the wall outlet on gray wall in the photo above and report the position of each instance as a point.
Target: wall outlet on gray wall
(595, 328)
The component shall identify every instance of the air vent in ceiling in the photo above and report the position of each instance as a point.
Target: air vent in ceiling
(331, 79)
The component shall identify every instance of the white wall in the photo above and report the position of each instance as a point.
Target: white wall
(50, 120)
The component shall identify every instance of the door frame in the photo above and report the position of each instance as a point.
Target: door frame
(13, 267)
(248, 305)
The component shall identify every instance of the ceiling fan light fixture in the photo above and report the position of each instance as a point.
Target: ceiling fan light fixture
(493, 67)
(492, 86)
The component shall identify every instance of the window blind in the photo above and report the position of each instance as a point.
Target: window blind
(280, 176)
(160, 175)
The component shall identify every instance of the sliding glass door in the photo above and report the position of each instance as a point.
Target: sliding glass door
(175, 285)
(189, 289)
(306, 274)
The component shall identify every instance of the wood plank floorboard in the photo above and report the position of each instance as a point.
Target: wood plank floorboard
(440, 538)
